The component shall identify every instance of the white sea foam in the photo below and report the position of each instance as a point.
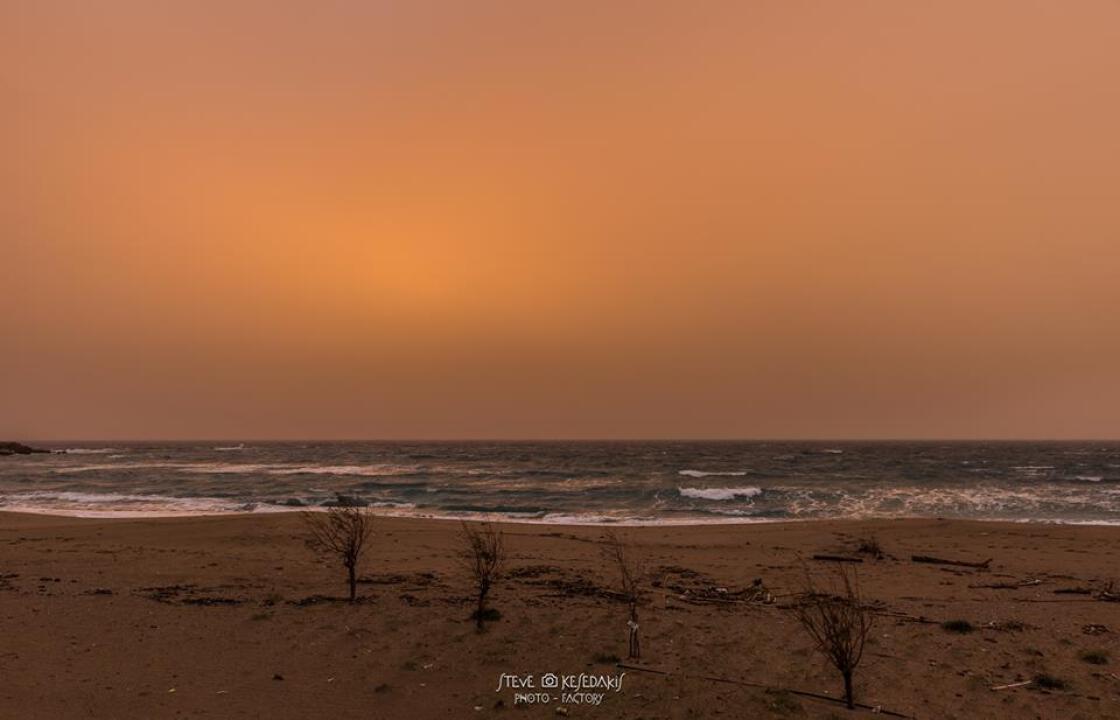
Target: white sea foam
(359, 470)
(108, 505)
(115, 466)
(582, 519)
(216, 468)
(222, 468)
(282, 469)
(1090, 478)
(231, 447)
(720, 493)
(702, 473)
(90, 451)
(975, 503)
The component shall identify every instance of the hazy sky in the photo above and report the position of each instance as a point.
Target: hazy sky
(438, 218)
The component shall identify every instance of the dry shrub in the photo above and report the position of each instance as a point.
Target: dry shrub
(343, 532)
(483, 555)
(839, 622)
(631, 573)
(870, 546)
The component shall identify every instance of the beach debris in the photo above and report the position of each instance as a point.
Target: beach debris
(1073, 591)
(1009, 686)
(187, 595)
(1108, 594)
(1008, 626)
(906, 617)
(277, 676)
(422, 579)
(961, 627)
(757, 592)
(959, 563)
(1095, 629)
(573, 586)
(321, 600)
(562, 711)
(696, 588)
(1029, 582)
(209, 600)
(533, 571)
(563, 583)
(838, 558)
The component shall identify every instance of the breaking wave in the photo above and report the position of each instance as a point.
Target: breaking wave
(580, 482)
(702, 473)
(89, 451)
(720, 493)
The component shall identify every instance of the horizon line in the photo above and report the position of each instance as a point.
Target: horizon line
(570, 440)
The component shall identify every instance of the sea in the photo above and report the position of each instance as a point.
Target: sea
(577, 482)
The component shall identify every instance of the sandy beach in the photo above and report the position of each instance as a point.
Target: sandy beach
(236, 617)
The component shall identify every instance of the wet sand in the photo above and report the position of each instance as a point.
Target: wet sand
(231, 617)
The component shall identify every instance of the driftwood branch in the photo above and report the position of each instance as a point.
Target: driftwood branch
(907, 617)
(746, 683)
(1109, 594)
(838, 558)
(1009, 585)
(1013, 685)
(959, 563)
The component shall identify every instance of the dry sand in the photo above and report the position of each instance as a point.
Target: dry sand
(215, 617)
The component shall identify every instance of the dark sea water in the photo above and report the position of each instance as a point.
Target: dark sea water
(583, 482)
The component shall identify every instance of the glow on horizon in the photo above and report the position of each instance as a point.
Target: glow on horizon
(587, 220)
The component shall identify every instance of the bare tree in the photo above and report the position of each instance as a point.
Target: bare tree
(483, 555)
(839, 623)
(343, 532)
(631, 572)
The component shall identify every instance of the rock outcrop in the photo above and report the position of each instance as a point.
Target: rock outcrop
(14, 448)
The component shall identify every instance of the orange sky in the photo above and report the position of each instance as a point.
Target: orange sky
(259, 219)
